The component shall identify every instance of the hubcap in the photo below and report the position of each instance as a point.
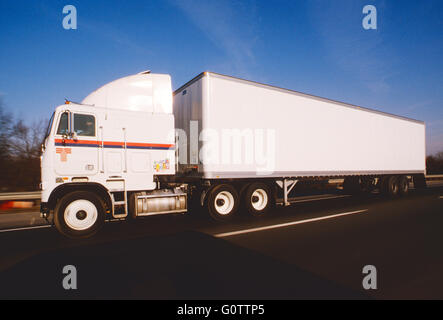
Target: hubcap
(259, 199)
(224, 203)
(80, 215)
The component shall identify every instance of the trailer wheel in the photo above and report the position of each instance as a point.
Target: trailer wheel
(258, 199)
(79, 214)
(391, 186)
(223, 202)
(403, 185)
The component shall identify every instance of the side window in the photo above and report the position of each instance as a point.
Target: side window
(63, 124)
(84, 125)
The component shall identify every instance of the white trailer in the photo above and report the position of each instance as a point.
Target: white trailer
(312, 136)
(233, 141)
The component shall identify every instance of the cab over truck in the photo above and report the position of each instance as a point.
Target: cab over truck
(133, 148)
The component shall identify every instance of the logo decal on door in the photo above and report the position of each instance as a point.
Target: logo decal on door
(63, 153)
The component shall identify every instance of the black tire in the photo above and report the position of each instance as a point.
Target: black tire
(62, 217)
(403, 186)
(257, 204)
(222, 202)
(391, 188)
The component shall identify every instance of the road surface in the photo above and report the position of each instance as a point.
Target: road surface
(313, 249)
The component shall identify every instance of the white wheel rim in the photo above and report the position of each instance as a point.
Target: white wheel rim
(224, 203)
(80, 215)
(262, 199)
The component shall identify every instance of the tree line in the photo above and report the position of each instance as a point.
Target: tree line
(20, 150)
(434, 164)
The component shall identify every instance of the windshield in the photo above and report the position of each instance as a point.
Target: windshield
(48, 130)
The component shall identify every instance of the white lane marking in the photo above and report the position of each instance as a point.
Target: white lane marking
(27, 228)
(282, 225)
(322, 198)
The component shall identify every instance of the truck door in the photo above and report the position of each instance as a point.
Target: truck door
(76, 145)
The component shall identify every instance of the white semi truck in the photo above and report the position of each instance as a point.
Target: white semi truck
(133, 148)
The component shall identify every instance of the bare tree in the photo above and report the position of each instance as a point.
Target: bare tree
(5, 131)
(434, 163)
(26, 140)
(19, 152)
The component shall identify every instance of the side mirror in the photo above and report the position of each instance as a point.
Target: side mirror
(70, 135)
(74, 136)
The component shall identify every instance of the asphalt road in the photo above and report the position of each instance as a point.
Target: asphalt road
(314, 249)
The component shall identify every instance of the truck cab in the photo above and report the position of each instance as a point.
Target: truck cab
(101, 155)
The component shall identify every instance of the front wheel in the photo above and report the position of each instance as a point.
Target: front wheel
(79, 214)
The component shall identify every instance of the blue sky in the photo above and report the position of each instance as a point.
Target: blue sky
(318, 47)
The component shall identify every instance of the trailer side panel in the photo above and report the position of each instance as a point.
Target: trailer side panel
(292, 134)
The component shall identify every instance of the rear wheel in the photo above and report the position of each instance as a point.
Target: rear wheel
(79, 214)
(223, 202)
(389, 186)
(403, 185)
(258, 199)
